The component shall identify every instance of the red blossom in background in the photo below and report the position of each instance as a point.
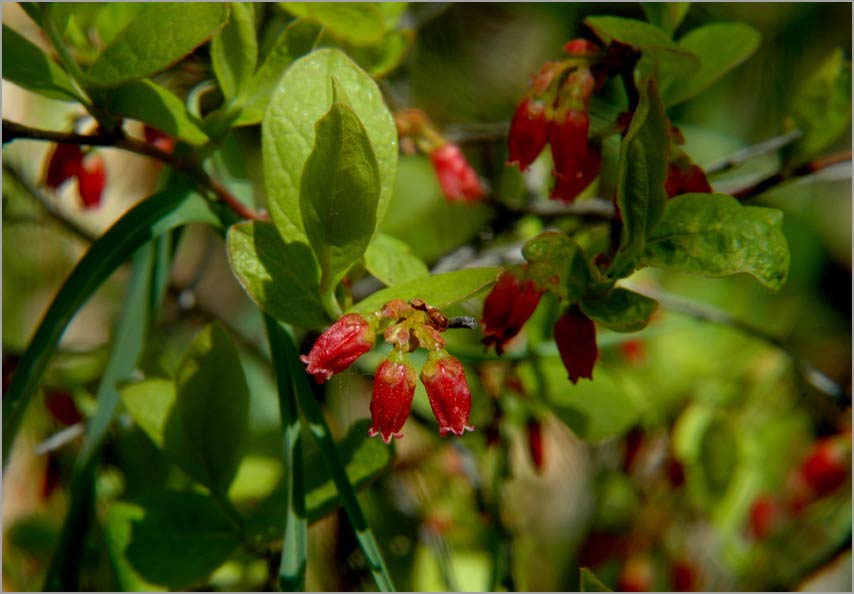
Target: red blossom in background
(162, 141)
(508, 306)
(458, 180)
(336, 349)
(444, 379)
(64, 163)
(535, 443)
(394, 387)
(685, 179)
(827, 465)
(91, 180)
(575, 336)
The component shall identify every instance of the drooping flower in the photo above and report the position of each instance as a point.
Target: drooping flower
(529, 133)
(394, 387)
(444, 379)
(458, 180)
(567, 187)
(684, 179)
(568, 139)
(508, 306)
(336, 349)
(91, 179)
(64, 163)
(575, 336)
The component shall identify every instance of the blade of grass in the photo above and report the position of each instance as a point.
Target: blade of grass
(320, 431)
(150, 218)
(292, 565)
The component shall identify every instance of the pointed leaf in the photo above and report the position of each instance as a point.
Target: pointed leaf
(234, 50)
(27, 66)
(301, 98)
(282, 278)
(339, 191)
(667, 16)
(714, 235)
(149, 403)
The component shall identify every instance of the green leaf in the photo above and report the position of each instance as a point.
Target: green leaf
(172, 539)
(720, 48)
(282, 278)
(27, 66)
(150, 218)
(157, 39)
(589, 582)
(718, 456)
(149, 403)
(148, 102)
(667, 16)
(297, 40)
(822, 108)
(439, 290)
(207, 428)
(365, 459)
(621, 310)
(359, 23)
(392, 262)
(640, 179)
(301, 98)
(382, 59)
(234, 51)
(714, 235)
(339, 191)
(554, 254)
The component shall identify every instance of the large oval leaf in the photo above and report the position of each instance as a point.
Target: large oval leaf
(302, 97)
(27, 66)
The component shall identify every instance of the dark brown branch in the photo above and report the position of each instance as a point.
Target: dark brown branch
(14, 131)
(809, 168)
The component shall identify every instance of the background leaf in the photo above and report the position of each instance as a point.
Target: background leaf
(282, 278)
(714, 235)
(301, 98)
(640, 182)
(149, 403)
(359, 23)
(156, 39)
(439, 290)
(392, 262)
(206, 430)
(173, 539)
(621, 310)
(667, 16)
(27, 66)
(234, 50)
(339, 191)
(720, 48)
(589, 581)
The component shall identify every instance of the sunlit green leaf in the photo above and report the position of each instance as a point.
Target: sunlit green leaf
(392, 262)
(234, 50)
(149, 403)
(360, 23)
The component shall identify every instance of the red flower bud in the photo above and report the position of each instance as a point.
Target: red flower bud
(458, 180)
(91, 179)
(394, 387)
(64, 163)
(535, 443)
(567, 187)
(162, 141)
(529, 133)
(827, 465)
(507, 307)
(336, 349)
(568, 138)
(575, 336)
(580, 47)
(685, 180)
(766, 516)
(444, 379)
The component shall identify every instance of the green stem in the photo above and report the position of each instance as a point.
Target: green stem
(65, 56)
(320, 430)
(292, 565)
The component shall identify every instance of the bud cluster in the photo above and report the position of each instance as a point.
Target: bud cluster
(405, 326)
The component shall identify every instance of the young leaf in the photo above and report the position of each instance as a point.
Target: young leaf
(27, 66)
(148, 102)
(149, 403)
(822, 108)
(155, 40)
(554, 253)
(339, 191)
(714, 235)
(282, 278)
(667, 16)
(234, 51)
(439, 290)
(206, 430)
(720, 48)
(297, 40)
(172, 539)
(359, 23)
(302, 97)
(620, 310)
(392, 262)
(640, 179)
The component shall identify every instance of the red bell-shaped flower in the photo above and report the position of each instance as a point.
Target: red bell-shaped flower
(508, 306)
(91, 179)
(444, 378)
(568, 138)
(684, 180)
(529, 133)
(64, 163)
(568, 187)
(580, 47)
(394, 387)
(458, 180)
(575, 336)
(336, 349)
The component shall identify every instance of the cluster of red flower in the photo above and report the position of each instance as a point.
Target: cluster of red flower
(68, 161)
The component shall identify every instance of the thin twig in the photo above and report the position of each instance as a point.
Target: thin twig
(806, 169)
(13, 131)
(768, 146)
